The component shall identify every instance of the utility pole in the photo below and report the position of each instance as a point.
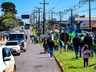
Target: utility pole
(36, 17)
(60, 18)
(89, 2)
(72, 21)
(34, 20)
(51, 14)
(44, 18)
(89, 14)
(39, 10)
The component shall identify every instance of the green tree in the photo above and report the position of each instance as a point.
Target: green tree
(1, 26)
(8, 7)
(8, 20)
(8, 23)
(20, 22)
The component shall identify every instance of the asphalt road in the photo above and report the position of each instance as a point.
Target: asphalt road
(34, 60)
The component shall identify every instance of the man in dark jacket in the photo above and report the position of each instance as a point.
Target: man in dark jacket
(51, 46)
(76, 44)
(88, 41)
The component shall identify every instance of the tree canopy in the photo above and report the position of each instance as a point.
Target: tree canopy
(8, 19)
(8, 7)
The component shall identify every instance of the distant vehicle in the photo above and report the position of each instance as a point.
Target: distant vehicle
(7, 62)
(14, 47)
(21, 37)
(27, 26)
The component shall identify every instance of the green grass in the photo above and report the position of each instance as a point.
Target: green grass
(70, 64)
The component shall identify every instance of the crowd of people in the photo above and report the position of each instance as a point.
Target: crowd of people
(83, 46)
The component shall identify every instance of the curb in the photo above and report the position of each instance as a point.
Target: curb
(59, 64)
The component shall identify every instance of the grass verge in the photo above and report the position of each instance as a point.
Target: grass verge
(70, 64)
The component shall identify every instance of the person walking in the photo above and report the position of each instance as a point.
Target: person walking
(88, 41)
(45, 46)
(81, 43)
(85, 53)
(76, 45)
(51, 47)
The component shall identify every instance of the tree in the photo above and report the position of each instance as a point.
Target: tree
(20, 22)
(8, 7)
(8, 15)
(1, 26)
(8, 23)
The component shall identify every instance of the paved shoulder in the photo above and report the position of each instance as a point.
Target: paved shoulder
(34, 60)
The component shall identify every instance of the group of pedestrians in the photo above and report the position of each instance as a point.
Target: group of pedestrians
(84, 46)
(50, 45)
(33, 39)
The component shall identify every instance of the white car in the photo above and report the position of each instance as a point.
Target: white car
(20, 37)
(7, 62)
(14, 47)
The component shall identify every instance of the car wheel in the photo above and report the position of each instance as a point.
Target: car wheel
(24, 50)
(18, 54)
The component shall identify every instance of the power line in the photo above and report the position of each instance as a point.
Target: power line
(94, 9)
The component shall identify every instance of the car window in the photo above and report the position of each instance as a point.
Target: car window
(6, 52)
(11, 43)
(16, 36)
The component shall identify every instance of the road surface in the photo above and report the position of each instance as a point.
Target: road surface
(34, 60)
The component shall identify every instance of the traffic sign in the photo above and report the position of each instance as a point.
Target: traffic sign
(25, 16)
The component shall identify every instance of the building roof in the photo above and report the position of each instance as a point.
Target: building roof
(86, 26)
(85, 18)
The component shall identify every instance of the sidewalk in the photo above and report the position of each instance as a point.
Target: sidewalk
(42, 62)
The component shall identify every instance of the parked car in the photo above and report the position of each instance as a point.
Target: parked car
(21, 37)
(7, 62)
(14, 47)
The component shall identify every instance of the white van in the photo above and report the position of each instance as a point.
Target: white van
(21, 37)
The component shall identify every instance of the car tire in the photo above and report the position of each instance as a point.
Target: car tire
(19, 54)
(24, 50)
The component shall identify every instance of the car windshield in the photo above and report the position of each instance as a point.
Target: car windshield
(16, 36)
(11, 43)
